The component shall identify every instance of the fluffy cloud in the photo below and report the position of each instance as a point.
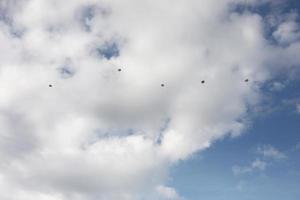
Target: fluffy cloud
(277, 86)
(168, 193)
(257, 164)
(288, 31)
(101, 133)
(269, 151)
(267, 154)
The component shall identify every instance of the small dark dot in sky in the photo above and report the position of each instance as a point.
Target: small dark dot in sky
(50, 85)
(202, 81)
(119, 70)
(162, 85)
(246, 80)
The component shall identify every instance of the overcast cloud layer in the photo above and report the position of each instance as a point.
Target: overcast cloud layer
(99, 133)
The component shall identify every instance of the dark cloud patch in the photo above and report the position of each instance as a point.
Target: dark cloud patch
(4, 13)
(6, 18)
(89, 12)
(16, 32)
(163, 128)
(109, 50)
(87, 16)
(67, 70)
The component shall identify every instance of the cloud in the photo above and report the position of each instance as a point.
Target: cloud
(298, 108)
(168, 193)
(260, 164)
(269, 151)
(287, 32)
(277, 86)
(99, 133)
(256, 165)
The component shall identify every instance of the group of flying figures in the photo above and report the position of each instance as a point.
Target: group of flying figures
(162, 85)
(203, 81)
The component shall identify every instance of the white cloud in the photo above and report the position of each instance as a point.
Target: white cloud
(298, 108)
(168, 193)
(266, 151)
(98, 133)
(256, 165)
(287, 32)
(277, 86)
(271, 152)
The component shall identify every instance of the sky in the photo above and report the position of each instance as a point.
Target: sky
(149, 99)
(226, 170)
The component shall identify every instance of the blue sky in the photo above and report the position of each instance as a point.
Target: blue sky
(209, 174)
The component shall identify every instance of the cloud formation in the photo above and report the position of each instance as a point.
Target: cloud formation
(267, 154)
(269, 151)
(257, 164)
(100, 133)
